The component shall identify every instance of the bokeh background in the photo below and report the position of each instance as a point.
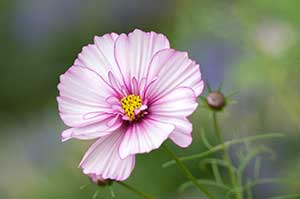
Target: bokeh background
(251, 47)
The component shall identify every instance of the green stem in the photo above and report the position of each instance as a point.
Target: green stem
(204, 182)
(216, 128)
(226, 156)
(134, 190)
(293, 196)
(220, 147)
(187, 173)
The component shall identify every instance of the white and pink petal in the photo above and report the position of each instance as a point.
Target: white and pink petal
(92, 131)
(82, 97)
(144, 136)
(173, 69)
(182, 134)
(134, 52)
(103, 159)
(99, 56)
(180, 102)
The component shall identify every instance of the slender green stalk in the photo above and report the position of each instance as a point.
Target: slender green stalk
(213, 183)
(226, 157)
(216, 173)
(187, 173)
(257, 166)
(216, 128)
(248, 190)
(293, 196)
(137, 192)
(256, 182)
(218, 162)
(247, 159)
(221, 147)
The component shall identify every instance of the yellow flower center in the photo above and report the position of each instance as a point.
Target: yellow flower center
(129, 104)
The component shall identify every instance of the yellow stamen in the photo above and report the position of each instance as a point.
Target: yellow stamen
(129, 104)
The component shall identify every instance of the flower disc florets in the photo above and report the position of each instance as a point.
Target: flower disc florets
(130, 105)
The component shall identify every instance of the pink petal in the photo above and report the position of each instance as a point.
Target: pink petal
(82, 97)
(92, 131)
(102, 158)
(99, 57)
(173, 69)
(182, 134)
(133, 53)
(180, 102)
(144, 136)
(173, 108)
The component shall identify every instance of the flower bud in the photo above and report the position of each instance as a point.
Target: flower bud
(216, 100)
(99, 180)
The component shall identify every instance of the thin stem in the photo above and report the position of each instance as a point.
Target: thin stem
(256, 182)
(216, 128)
(257, 166)
(226, 156)
(293, 196)
(216, 173)
(112, 192)
(220, 147)
(249, 191)
(134, 190)
(246, 161)
(204, 182)
(218, 162)
(187, 173)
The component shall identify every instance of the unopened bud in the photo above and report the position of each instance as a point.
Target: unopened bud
(216, 100)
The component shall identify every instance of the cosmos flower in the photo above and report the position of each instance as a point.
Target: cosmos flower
(130, 93)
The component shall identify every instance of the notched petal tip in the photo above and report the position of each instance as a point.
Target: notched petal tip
(66, 135)
(111, 35)
(137, 30)
(123, 155)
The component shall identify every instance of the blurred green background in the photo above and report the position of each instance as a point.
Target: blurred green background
(250, 46)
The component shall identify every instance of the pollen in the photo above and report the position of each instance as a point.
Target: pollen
(129, 104)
